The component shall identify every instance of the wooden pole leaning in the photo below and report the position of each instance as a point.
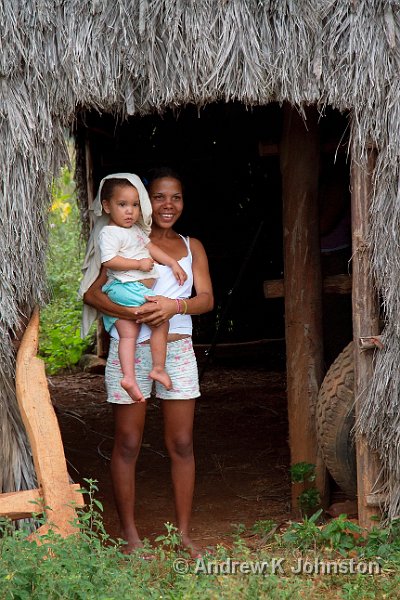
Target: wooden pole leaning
(56, 497)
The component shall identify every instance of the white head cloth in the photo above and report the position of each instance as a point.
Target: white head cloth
(92, 262)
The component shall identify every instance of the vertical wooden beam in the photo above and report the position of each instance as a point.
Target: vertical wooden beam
(365, 323)
(89, 175)
(102, 337)
(303, 288)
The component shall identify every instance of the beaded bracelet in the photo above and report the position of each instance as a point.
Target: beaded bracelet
(179, 306)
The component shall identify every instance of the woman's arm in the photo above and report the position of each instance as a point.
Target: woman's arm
(160, 309)
(98, 299)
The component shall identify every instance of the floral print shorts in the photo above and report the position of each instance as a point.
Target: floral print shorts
(180, 365)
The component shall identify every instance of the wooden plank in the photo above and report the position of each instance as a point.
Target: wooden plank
(269, 149)
(44, 435)
(365, 323)
(303, 287)
(21, 505)
(332, 284)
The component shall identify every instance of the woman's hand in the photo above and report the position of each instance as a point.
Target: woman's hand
(157, 310)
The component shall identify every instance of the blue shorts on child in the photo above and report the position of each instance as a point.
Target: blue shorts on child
(130, 293)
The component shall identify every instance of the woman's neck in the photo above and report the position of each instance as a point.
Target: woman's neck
(158, 233)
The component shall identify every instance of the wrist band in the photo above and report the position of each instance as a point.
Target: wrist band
(185, 307)
(179, 306)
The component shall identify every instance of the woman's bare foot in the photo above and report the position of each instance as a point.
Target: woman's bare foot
(132, 541)
(132, 388)
(134, 544)
(161, 375)
(190, 547)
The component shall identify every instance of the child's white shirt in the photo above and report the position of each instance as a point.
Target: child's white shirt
(129, 243)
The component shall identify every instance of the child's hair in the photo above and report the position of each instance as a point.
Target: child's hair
(160, 173)
(109, 186)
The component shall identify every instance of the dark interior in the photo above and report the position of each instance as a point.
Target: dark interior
(228, 156)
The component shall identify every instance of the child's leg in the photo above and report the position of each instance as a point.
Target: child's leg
(158, 345)
(128, 332)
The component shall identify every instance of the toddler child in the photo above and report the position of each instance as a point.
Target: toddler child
(129, 256)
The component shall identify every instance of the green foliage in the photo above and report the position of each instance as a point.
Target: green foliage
(306, 534)
(90, 564)
(60, 344)
(171, 540)
(309, 499)
(383, 542)
(302, 472)
(341, 534)
(263, 527)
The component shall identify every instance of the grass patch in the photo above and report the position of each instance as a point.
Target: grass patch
(91, 565)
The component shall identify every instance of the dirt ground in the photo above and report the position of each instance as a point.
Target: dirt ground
(241, 448)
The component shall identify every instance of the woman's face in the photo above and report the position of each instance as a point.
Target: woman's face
(166, 200)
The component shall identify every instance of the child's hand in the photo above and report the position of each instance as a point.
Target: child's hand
(146, 264)
(179, 273)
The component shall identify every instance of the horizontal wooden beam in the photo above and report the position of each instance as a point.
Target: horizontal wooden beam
(21, 505)
(268, 149)
(332, 284)
(377, 500)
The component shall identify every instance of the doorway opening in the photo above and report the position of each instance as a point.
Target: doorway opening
(229, 159)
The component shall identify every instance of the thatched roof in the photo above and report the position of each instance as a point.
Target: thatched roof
(58, 57)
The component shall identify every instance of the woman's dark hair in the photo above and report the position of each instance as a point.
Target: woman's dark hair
(160, 173)
(109, 187)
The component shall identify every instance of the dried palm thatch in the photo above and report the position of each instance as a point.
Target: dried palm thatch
(60, 56)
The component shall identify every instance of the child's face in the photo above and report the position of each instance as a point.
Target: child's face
(123, 206)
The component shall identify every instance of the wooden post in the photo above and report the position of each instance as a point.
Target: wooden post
(102, 337)
(365, 323)
(303, 287)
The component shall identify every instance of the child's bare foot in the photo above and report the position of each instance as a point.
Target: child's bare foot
(132, 388)
(160, 375)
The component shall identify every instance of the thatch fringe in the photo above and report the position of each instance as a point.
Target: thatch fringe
(60, 56)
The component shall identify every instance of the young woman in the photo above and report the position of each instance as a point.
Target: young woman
(174, 303)
(128, 254)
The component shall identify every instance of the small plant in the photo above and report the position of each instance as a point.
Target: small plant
(263, 527)
(309, 499)
(341, 534)
(304, 535)
(302, 472)
(171, 541)
(241, 548)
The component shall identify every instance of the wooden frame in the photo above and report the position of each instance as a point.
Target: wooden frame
(55, 496)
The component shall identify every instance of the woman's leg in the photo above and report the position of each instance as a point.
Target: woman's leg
(129, 423)
(158, 345)
(128, 332)
(178, 431)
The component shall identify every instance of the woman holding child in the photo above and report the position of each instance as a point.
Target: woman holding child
(171, 303)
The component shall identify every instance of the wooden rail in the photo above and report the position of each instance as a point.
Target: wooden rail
(331, 284)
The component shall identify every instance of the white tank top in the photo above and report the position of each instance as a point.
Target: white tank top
(167, 285)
